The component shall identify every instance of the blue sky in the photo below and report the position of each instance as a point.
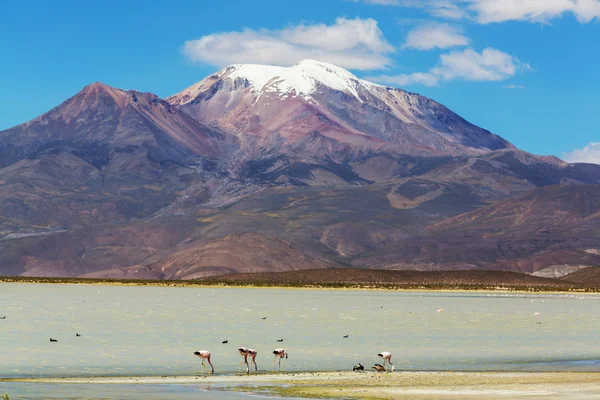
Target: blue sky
(526, 70)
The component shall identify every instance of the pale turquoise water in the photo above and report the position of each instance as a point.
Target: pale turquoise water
(154, 330)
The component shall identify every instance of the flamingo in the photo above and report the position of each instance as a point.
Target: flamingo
(279, 353)
(252, 354)
(245, 352)
(387, 358)
(205, 355)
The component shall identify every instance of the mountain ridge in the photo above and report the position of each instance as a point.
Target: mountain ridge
(251, 99)
(115, 183)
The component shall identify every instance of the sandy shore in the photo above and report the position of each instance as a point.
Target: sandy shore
(397, 385)
(501, 290)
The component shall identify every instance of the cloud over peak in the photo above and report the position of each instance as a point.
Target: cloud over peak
(435, 35)
(349, 43)
(489, 65)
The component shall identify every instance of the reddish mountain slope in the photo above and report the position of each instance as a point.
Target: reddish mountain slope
(260, 168)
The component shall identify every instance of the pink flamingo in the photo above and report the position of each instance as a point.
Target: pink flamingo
(245, 352)
(387, 358)
(252, 354)
(279, 353)
(205, 355)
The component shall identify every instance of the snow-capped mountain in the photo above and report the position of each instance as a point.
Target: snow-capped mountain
(263, 104)
(115, 183)
(303, 79)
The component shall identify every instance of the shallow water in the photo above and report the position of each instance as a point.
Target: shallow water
(130, 330)
(63, 391)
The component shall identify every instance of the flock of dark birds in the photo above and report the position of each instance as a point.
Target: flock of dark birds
(52, 340)
(56, 340)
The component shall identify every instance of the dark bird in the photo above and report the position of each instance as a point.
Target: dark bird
(225, 341)
(53, 340)
(264, 317)
(2, 317)
(280, 340)
(77, 334)
(345, 336)
(379, 367)
(358, 367)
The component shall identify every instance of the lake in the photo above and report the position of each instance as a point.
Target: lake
(145, 330)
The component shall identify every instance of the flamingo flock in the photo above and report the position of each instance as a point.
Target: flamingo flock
(281, 353)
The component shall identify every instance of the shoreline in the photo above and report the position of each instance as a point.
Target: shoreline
(373, 385)
(325, 286)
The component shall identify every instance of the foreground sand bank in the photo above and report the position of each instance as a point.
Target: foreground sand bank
(397, 385)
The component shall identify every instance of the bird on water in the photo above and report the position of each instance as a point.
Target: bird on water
(279, 353)
(379, 367)
(358, 367)
(205, 355)
(387, 359)
(245, 353)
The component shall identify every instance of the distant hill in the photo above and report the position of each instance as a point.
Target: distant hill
(345, 277)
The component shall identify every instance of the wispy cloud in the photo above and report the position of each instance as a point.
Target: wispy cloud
(488, 11)
(448, 9)
(589, 154)
(519, 87)
(435, 35)
(382, 2)
(489, 65)
(349, 43)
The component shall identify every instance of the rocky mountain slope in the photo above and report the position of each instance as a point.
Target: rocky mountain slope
(258, 169)
(289, 120)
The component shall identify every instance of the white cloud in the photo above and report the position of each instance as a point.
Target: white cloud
(589, 154)
(489, 65)
(533, 10)
(448, 9)
(487, 11)
(514, 87)
(382, 2)
(349, 43)
(419, 78)
(432, 35)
